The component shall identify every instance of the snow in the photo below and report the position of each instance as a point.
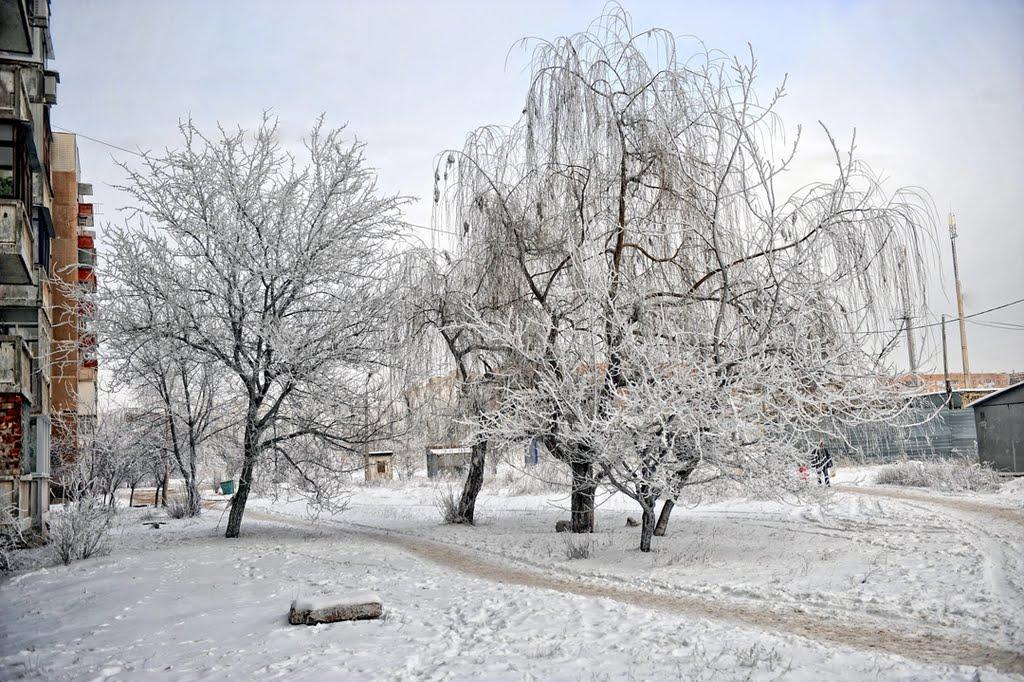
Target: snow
(320, 601)
(182, 602)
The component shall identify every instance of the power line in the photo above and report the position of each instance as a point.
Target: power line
(99, 141)
(993, 324)
(936, 324)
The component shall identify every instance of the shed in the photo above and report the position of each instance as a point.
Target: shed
(999, 418)
(378, 465)
(448, 461)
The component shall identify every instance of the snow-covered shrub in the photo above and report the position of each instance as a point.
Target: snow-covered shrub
(79, 531)
(578, 546)
(953, 475)
(11, 538)
(447, 502)
(177, 509)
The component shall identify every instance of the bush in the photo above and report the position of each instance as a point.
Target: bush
(578, 546)
(447, 503)
(954, 475)
(79, 531)
(178, 509)
(11, 538)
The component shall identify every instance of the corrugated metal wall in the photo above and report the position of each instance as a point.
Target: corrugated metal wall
(949, 433)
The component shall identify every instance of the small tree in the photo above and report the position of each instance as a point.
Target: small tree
(445, 336)
(275, 270)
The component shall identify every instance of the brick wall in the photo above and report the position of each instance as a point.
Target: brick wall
(12, 433)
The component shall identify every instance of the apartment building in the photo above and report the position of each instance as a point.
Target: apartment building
(27, 91)
(73, 262)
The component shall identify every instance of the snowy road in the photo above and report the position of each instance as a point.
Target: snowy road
(1013, 517)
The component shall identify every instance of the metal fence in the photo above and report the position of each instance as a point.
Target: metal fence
(943, 434)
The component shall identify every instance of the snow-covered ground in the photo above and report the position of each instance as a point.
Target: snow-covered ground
(738, 590)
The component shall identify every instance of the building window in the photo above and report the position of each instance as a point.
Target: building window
(8, 187)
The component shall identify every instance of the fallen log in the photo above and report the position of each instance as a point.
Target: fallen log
(355, 607)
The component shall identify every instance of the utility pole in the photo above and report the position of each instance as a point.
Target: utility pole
(959, 304)
(907, 323)
(945, 365)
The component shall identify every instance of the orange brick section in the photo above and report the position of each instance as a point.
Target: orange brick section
(12, 433)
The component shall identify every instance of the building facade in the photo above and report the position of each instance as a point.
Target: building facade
(27, 91)
(1000, 425)
(73, 263)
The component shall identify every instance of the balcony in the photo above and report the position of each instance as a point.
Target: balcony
(14, 101)
(86, 258)
(16, 244)
(15, 366)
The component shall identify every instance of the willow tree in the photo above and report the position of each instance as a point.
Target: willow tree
(672, 314)
(275, 267)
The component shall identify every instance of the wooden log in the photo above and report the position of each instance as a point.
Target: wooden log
(305, 613)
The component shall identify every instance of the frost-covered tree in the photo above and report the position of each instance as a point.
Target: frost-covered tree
(182, 399)
(445, 291)
(275, 268)
(672, 314)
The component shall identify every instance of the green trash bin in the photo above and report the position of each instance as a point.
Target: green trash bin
(227, 487)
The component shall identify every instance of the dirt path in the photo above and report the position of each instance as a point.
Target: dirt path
(866, 635)
(1001, 513)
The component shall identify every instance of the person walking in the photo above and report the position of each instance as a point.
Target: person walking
(821, 460)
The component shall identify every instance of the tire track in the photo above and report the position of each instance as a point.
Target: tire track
(972, 507)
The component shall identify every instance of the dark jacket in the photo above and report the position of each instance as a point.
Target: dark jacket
(821, 459)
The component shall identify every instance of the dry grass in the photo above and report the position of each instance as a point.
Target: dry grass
(447, 502)
(953, 475)
(578, 545)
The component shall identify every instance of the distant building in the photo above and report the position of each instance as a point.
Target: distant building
(999, 418)
(979, 380)
(74, 265)
(448, 461)
(377, 465)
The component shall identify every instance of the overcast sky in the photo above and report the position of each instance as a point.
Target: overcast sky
(935, 91)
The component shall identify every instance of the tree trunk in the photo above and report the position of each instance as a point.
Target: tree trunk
(241, 495)
(192, 497)
(583, 489)
(666, 509)
(131, 498)
(666, 513)
(167, 478)
(647, 527)
(475, 479)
